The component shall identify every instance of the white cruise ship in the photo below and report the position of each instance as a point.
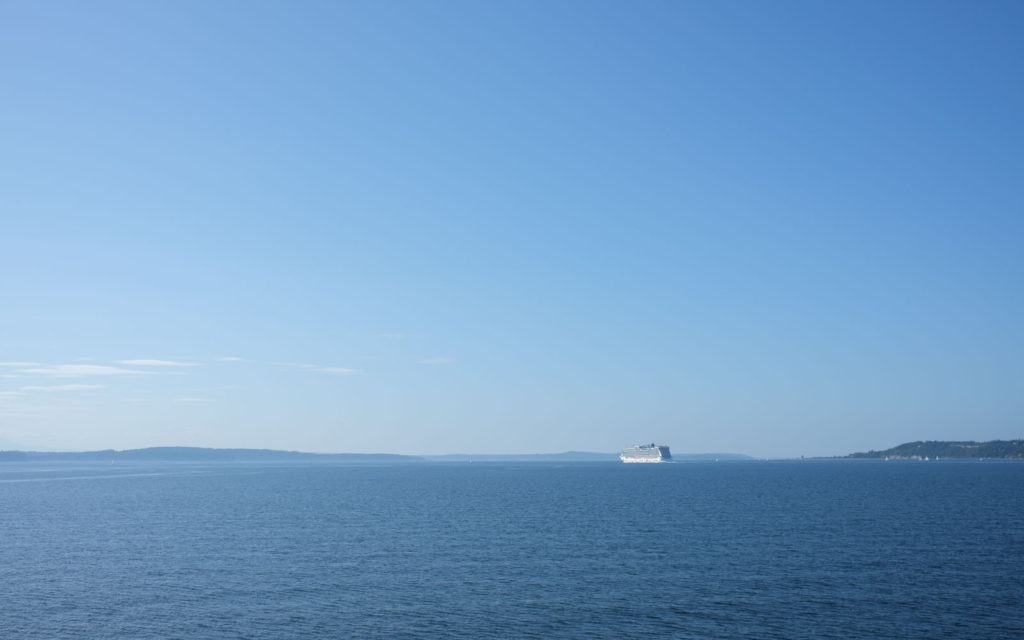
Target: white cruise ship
(646, 453)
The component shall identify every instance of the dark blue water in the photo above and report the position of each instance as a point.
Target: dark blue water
(729, 550)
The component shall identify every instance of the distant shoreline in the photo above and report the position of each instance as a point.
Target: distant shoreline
(204, 454)
(912, 451)
(948, 450)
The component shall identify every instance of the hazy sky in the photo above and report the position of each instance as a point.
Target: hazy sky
(774, 228)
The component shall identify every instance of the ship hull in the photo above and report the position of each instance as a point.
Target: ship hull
(646, 453)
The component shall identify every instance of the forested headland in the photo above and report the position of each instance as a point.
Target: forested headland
(932, 449)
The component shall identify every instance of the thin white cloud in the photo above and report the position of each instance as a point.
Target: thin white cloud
(30, 410)
(64, 387)
(157, 363)
(217, 389)
(11, 394)
(437, 361)
(19, 364)
(229, 359)
(192, 399)
(340, 371)
(80, 370)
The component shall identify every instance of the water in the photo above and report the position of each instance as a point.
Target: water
(586, 550)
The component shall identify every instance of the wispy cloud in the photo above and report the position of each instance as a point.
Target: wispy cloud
(157, 363)
(338, 371)
(437, 361)
(17, 410)
(331, 370)
(11, 394)
(79, 371)
(64, 387)
(192, 399)
(229, 359)
(19, 364)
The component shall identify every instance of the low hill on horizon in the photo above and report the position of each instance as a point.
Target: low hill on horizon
(996, 449)
(205, 454)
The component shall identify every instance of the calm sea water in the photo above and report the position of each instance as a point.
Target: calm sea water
(535, 550)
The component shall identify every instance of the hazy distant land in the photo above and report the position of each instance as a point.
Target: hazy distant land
(932, 449)
(202, 454)
(573, 456)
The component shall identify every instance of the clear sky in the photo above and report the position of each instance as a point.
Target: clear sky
(773, 228)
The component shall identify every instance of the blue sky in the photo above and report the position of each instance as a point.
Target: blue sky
(780, 229)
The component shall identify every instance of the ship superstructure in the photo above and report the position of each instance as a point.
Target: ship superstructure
(646, 453)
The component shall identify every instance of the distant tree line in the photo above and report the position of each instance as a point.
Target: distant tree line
(1004, 449)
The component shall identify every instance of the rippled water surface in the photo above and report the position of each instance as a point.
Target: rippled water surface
(703, 550)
